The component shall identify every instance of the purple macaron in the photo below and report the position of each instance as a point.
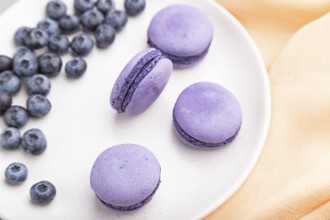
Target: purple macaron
(125, 177)
(182, 32)
(206, 115)
(141, 82)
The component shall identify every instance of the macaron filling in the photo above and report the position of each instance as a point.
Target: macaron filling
(140, 70)
(145, 70)
(189, 139)
(184, 60)
(131, 207)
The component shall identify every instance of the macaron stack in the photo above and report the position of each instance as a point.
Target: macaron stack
(205, 116)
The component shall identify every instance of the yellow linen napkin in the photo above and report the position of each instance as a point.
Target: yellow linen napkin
(292, 177)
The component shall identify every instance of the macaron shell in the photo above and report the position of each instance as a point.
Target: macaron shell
(208, 112)
(150, 87)
(120, 81)
(188, 62)
(181, 30)
(125, 175)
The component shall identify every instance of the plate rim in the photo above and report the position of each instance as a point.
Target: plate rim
(262, 140)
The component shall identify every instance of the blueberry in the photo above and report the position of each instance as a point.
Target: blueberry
(82, 44)
(5, 101)
(69, 24)
(36, 38)
(83, 5)
(42, 193)
(6, 63)
(34, 141)
(134, 7)
(59, 44)
(38, 84)
(75, 67)
(10, 138)
(105, 5)
(16, 173)
(23, 51)
(10, 82)
(38, 106)
(117, 19)
(16, 116)
(50, 26)
(19, 35)
(91, 19)
(56, 9)
(50, 64)
(104, 35)
(25, 62)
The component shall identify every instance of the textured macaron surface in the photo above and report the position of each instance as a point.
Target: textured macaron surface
(149, 89)
(207, 115)
(128, 75)
(124, 176)
(180, 30)
(141, 82)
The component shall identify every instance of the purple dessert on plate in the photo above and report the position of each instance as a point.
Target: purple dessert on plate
(206, 116)
(125, 177)
(182, 32)
(141, 82)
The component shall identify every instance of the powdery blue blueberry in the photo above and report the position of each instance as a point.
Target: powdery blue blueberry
(19, 35)
(10, 138)
(25, 62)
(56, 9)
(75, 67)
(104, 35)
(134, 7)
(82, 44)
(50, 26)
(23, 51)
(16, 173)
(91, 19)
(42, 193)
(5, 101)
(117, 19)
(105, 6)
(50, 64)
(59, 44)
(81, 6)
(6, 63)
(35, 38)
(10, 82)
(69, 24)
(38, 106)
(16, 116)
(38, 84)
(34, 141)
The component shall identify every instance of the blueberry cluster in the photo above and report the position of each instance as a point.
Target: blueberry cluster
(29, 66)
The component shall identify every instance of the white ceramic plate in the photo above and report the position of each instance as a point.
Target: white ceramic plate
(82, 124)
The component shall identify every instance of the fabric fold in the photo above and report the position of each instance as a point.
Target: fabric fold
(290, 180)
(271, 23)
